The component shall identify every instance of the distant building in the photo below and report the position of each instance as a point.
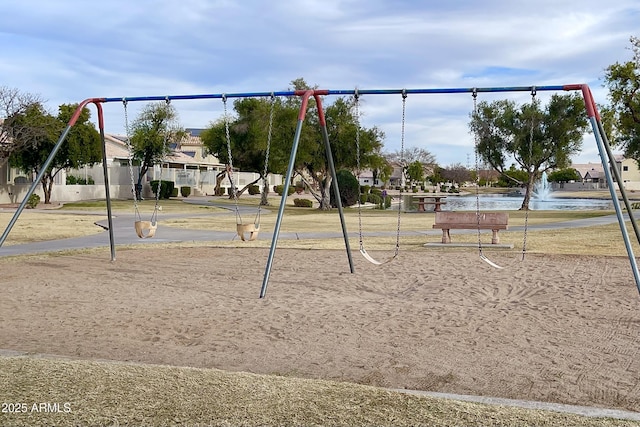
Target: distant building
(590, 172)
(629, 172)
(188, 165)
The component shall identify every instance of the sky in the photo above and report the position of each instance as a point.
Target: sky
(70, 50)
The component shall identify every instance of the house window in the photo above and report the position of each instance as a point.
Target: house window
(625, 168)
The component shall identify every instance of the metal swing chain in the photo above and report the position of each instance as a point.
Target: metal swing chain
(130, 150)
(266, 159)
(228, 136)
(402, 135)
(154, 216)
(356, 98)
(526, 212)
(475, 111)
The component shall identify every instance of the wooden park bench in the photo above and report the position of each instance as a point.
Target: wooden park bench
(448, 220)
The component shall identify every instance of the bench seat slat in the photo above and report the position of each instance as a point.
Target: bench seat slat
(467, 226)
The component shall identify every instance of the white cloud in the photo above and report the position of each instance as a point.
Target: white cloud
(71, 50)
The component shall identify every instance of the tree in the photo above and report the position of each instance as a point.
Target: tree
(342, 127)
(349, 189)
(15, 132)
(249, 137)
(564, 175)
(150, 136)
(456, 173)
(436, 175)
(380, 168)
(513, 177)
(623, 81)
(81, 146)
(413, 154)
(538, 140)
(415, 172)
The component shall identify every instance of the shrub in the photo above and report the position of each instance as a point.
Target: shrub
(349, 188)
(364, 198)
(387, 202)
(365, 189)
(32, 201)
(166, 189)
(280, 189)
(185, 191)
(303, 203)
(374, 198)
(254, 189)
(376, 191)
(76, 180)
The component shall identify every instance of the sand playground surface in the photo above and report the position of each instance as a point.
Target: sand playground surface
(561, 329)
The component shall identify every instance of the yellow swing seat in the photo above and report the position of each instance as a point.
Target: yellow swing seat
(146, 229)
(252, 229)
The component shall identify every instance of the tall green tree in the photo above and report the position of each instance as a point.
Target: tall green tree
(536, 139)
(151, 134)
(81, 146)
(623, 81)
(415, 172)
(380, 167)
(249, 139)
(342, 128)
(564, 175)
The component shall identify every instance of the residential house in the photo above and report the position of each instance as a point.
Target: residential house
(592, 177)
(187, 165)
(629, 172)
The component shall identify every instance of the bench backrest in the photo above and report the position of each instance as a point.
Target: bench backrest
(471, 218)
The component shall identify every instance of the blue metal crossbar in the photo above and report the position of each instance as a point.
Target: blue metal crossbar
(345, 92)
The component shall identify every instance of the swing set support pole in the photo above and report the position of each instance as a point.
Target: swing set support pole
(285, 191)
(105, 172)
(605, 152)
(305, 94)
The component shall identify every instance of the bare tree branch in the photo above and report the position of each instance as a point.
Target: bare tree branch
(15, 136)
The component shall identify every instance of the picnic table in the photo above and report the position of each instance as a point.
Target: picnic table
(436, 201)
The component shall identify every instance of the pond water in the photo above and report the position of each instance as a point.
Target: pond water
(504, 202)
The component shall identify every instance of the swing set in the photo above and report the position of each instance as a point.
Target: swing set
(148, 228)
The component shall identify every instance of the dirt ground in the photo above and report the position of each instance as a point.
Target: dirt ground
(560, 329)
